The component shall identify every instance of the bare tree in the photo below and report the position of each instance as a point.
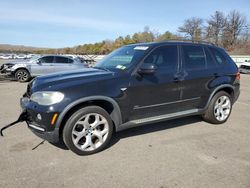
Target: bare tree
(192, 27)
(234, 26)
(216, 24)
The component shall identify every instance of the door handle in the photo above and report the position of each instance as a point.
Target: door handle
(216, 74)
(178, 79)
(180, 76)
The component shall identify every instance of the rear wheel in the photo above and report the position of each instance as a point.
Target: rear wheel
(88, 130)
(22, 75)
(219, 108)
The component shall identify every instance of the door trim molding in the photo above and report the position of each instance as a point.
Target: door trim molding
(162, 104)
(154, 119)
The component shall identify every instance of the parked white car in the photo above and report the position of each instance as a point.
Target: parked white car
(245, 68)
(6, 56)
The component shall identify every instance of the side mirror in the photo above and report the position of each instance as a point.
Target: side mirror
(147, 68)
(39, 62)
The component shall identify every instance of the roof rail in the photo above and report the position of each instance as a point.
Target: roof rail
(187, 40)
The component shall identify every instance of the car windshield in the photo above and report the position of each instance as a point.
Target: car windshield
(123, 58)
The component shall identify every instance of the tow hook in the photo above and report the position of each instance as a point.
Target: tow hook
(23, 117)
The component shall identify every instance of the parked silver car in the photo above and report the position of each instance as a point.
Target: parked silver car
(23, 71)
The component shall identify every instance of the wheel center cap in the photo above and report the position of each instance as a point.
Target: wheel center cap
(89, 130)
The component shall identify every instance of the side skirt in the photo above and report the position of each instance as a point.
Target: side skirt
(155, 119)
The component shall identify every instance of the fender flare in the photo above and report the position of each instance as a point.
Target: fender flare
(217, 89)
(115, 115)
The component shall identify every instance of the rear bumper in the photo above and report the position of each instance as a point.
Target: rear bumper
(236, 95)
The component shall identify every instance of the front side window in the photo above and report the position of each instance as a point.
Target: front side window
(123, 58)
(165, 57)
(194, 57)
(47, 59)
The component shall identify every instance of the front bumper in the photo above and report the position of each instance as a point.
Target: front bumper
(40, 126)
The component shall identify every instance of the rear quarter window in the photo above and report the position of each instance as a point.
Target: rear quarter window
(211, 63)
(219, 57)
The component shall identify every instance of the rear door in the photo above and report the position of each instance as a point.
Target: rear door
(198, 69)
(62, 64)
(43, 66)
(156, 94)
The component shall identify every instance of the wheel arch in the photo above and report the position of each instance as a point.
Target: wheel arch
(107, 103)
(21, 68)
(225, 87)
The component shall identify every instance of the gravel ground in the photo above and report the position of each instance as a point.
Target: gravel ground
(180, 153)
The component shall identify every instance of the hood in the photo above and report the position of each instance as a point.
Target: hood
(18, 62)
(66, 79)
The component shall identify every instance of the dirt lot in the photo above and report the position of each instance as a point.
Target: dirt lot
(180, 153)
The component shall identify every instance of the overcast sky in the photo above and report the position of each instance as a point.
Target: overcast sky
(61, 23)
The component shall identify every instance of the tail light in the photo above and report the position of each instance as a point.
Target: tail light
(238, 75)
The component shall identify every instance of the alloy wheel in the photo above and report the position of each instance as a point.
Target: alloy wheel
(22, 76)
(90, 132)
(222, 108)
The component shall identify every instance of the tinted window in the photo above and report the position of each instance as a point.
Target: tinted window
(123, 58)
(194, 57)
(210, 61)
(70, 60)
(164, 57)
(218, 56)
(47, 59)
(63, 60)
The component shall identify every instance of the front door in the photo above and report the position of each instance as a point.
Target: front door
(43, 66)
(158, 93)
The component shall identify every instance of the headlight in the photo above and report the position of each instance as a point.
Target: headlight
(47, 97)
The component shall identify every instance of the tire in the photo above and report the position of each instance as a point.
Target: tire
(22, 75)
(88, 130)
(219, 108)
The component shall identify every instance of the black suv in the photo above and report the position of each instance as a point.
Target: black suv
(134, 85)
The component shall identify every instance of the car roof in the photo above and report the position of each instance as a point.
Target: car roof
(55, 55)
(155, 44)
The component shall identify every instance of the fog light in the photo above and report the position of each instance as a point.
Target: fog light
(39, 117)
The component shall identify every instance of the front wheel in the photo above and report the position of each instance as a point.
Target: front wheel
(219, 108)
(88, 130)
(22, 75)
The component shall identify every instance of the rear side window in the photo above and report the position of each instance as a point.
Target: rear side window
(70, 60)
(194, 57)
(63, 60)
(165, 57)
(47, 59)
(218, 56)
